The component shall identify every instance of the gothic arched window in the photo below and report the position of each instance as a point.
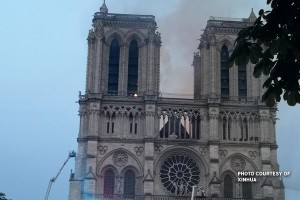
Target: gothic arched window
(129, 183)
(247, 190)
(113, 70)
(228, 186)
(133, 60)
(242, 81)
(224, 128)
(229, 129)
(109, 182)
(224, 72)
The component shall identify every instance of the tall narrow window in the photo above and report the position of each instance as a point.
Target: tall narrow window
(224, 128)
(129, 183)
(113, 71)
(130, 123)
(135, 128)
(246, 129)
(198, 128)
(224, 72)
(229, 129)
(242, 81)
(107, 127)
(133, 61)
(228, 187)
(247, 190)
(109, 182)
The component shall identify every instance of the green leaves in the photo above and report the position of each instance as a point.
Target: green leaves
(272, 45)
(292, 97)
(261, 12)
(272, 95)
(258, 69)
(281, 46)
(255, 53)
(240, 55)
(2, 196)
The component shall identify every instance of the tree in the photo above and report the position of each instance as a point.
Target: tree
(3, 196)
(272, 43)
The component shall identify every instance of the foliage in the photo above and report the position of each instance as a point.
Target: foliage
(272, 43)
(3, 196)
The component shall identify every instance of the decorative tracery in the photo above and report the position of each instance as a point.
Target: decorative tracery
(238, 125)
(180, 123)
(178, 174)
(120, 158)
(237, 163)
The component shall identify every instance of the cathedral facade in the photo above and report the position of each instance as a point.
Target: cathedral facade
(134, 142)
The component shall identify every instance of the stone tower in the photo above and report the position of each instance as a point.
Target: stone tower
(134, 142)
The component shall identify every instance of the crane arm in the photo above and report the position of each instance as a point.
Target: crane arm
(52, 180)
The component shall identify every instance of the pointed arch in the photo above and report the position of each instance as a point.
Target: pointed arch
(135, 35)
(225, 40)
(134, 162)
(228, 180)
(252, 164)
(115, 34)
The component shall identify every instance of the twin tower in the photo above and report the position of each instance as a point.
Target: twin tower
(135, 144)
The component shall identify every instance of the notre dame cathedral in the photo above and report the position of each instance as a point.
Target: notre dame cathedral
(133, 143)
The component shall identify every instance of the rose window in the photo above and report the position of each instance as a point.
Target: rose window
(120, 158)
(178, 174)
(237, 163)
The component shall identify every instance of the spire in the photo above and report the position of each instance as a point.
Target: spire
(103, 8)
(252, 16)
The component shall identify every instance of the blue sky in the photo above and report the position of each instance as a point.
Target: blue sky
(43, 51)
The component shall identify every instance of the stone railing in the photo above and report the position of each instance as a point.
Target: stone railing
(154, 197)
(120, 95)
(172, 98)
(124, 17)
(228, 22)
(227, 19)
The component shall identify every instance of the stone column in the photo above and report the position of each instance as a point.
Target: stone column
(213, 113)
(75, 190)
(214, 186)
(93, 124)
(90, 61)
(149, 148)
(123, 71)
(150, 68)
(264, 134)
(97, 60)
(89, 184)
(267, 185)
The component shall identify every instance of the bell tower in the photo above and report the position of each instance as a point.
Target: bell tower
(233, 95)
(134, 143)
(212, 77)
(116, 111)
(123, 54)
